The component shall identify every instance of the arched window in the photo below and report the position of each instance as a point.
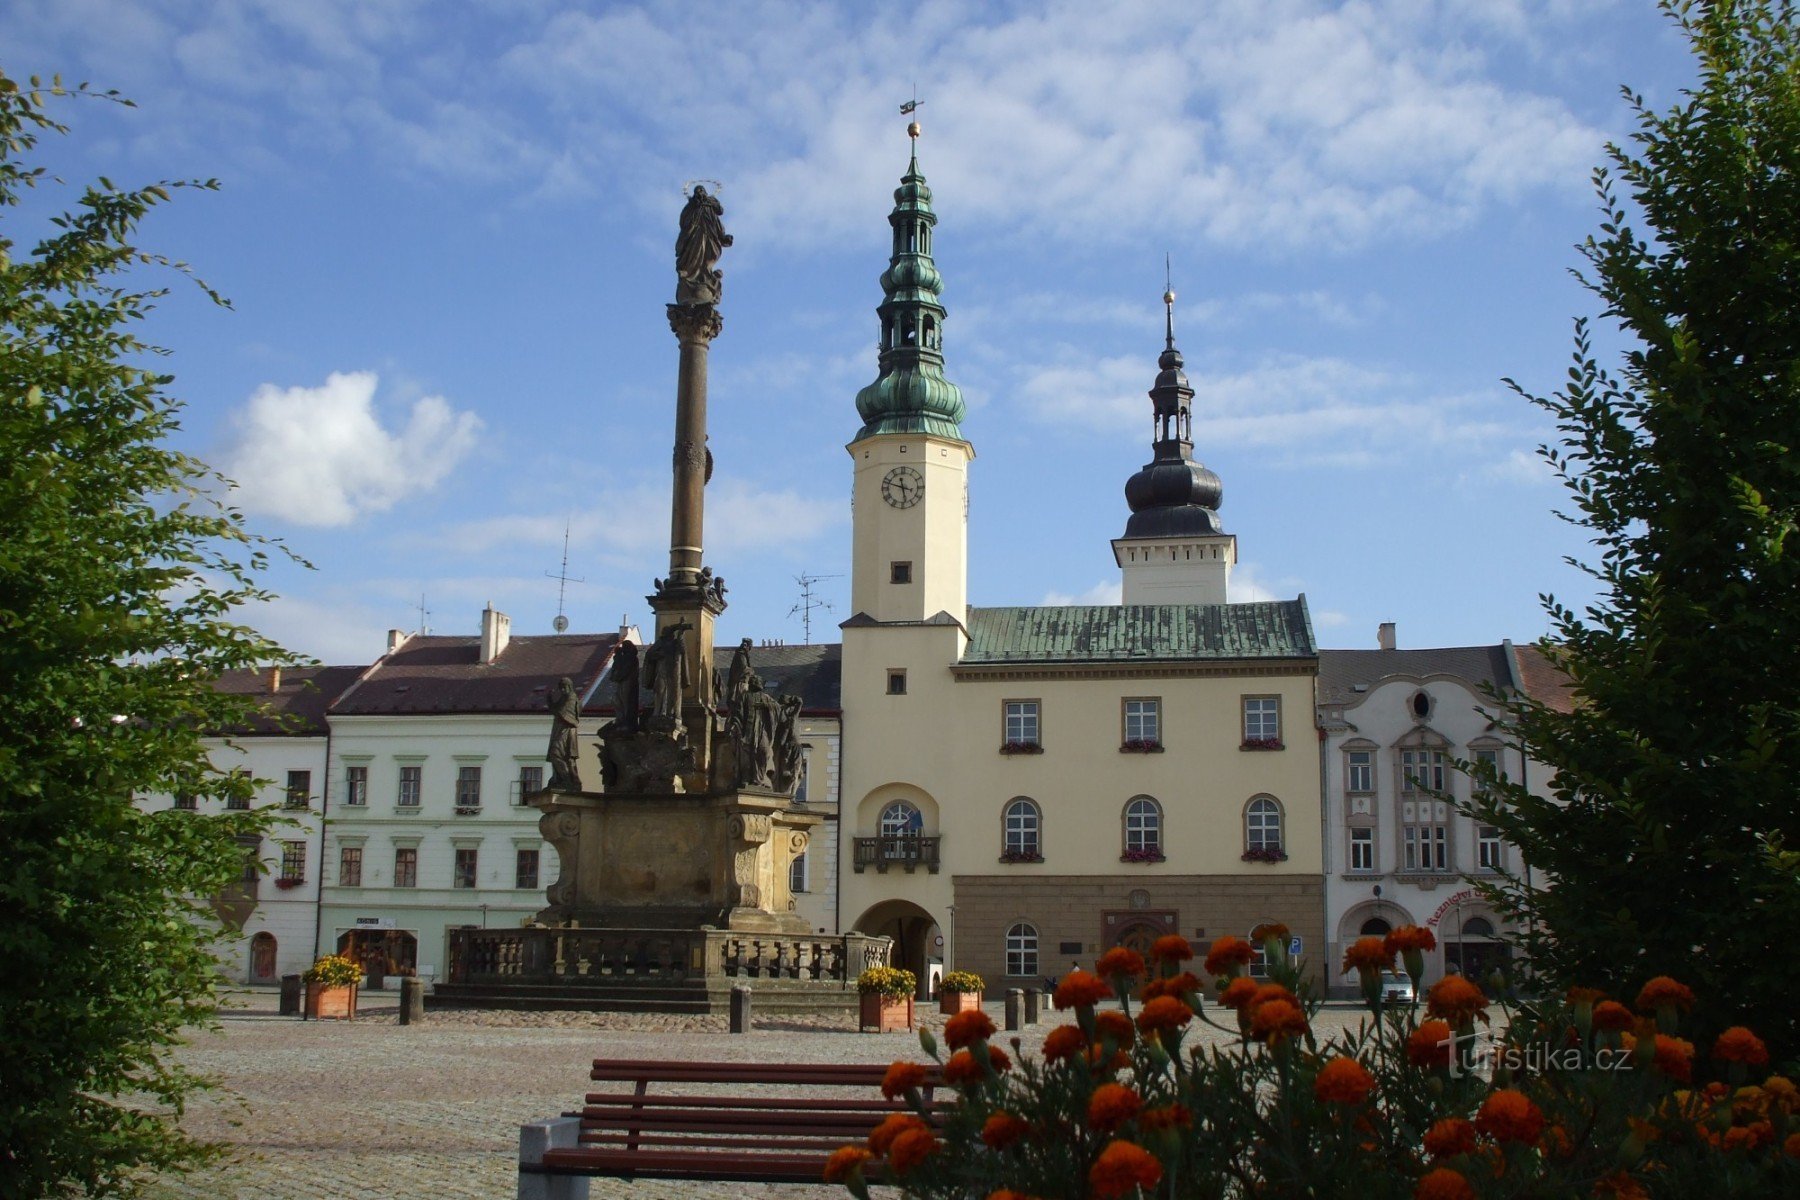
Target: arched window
(1262, 827)
(901, 819)
(1375, 927)
(797, 883)
(1021, 823)
(1143, 828)
(1478, 927)
(1022, 950)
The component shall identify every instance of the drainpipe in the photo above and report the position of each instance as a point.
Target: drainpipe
(837, 784)
(319, 886)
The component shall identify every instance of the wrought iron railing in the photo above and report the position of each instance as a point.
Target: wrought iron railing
(906, 850)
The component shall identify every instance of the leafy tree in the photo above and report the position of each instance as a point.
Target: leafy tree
(117, 575)
(1678, 772)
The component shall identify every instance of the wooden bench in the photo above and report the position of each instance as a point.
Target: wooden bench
(767, 1129)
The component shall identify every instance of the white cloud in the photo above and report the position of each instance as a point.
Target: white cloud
(1521, 467)
(1107, 591)
(321, 455)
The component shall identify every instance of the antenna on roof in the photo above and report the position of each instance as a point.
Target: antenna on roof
(563, 580)
(424, 616)
(809, 601)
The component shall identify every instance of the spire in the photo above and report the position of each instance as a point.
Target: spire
(1172, 496)
(911, 394)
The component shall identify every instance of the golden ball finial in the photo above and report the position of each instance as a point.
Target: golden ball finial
(1168, 297)
(913, 130)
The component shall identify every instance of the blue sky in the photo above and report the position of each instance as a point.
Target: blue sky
(447, 230)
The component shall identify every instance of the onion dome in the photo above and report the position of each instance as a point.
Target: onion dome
(911, 395)
(1173, 496)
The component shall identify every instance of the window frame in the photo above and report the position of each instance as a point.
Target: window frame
(900, 572)
(1148, 732)
(1257, 736)
(350, 865)
(297, 793)
(1030, 722)
(800, 870)
(293, 861)
(1022, 840)
(520, 881)
(896, 681)
(1256, 833)
(1021, 945)
(1353, 768)
(410, 789)
(468, 786)
(1142, 815)
(356, 785)
(1490, 849)
(1362, 837)
(406, 866)
(465, 864)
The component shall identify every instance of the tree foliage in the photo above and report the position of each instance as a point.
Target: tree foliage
(117, 577)
(1678, 772)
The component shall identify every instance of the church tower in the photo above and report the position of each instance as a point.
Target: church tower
(910, 552)
(1174, 550)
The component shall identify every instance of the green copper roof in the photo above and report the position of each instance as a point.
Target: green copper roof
(1140, 633)
(911, 395)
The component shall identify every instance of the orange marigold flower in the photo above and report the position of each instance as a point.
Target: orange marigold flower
(1065, 1041)
(843, 1161)
(966, 1027)
(998, 1060)
(1448, 1136)
(1441, 1183)
(1508, 1115)
(1410, 937)
(1665, 992)
(1239, 992)
(881, 1139)
(1171, 948)
(1610, 1014)
(1738, 1044)
(1753, 1136)
(901, 1077)
(1164, 1012)
(1120, 960)
(1343, 1081)
(910, 1149)
(1556, 1142)
(1429, 1045)
(1111, 1105)
(964, 1067)
(1276, 1019)
(1368, 954)
(1081, 990)
(1455, 999)
(1178, 986)
(1578, 996)
(1675, 1057)
(1169, 1116)
(1782, 1093)
(1228, 952)
(1270, 931)
(1272, 991)
(1619, 1186)
(1122, 1167)
(1115, 1025)
(1003, 1129)
(1097, 1059)
(1790, 1145)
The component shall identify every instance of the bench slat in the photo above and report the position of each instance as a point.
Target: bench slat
(774, 1168)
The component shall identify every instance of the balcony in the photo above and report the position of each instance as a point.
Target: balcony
(909, 851)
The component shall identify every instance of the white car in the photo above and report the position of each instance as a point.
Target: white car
(1396, 988)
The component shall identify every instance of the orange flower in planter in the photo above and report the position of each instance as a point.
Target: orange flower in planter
(1112, 1105)
(1429, 1045)
(1409, 937)
(1171, 948)
(1115, 1025)
(1441, 1183)
(901, 1077)
(910, 1149)
(1675, 1057)
(1449, 1136)
(1003, 1129)
(1343, 1081)
(1228, 952)
(1081, 990)
(1508, 1115)
(1611, 1015)
(843, 1161)
(1122, 1167)
(1065, 1041)
(1456, 1000)
(1664, 992)
(1120, 960)
(1239, 992)
(1739, 1045)
(967, 1027)
(1164, 1012)
(1368, 954)
(881, 1139)
(1274, 1020)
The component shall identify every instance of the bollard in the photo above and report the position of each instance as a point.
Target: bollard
(412, 999)
(291, 990)
(1031, 1005)
(740, 1008)
(1015, 1007)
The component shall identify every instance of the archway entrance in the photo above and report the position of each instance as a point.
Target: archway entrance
(914, 932)
(262, 958)
(1476, 952)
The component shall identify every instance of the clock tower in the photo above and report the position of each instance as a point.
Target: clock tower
(910, 557)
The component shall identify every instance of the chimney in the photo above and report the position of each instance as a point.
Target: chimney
(496, 631)
(1384, 637)
(274, 680)
(395, 638)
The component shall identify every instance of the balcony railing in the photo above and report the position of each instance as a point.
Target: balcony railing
(906, 850)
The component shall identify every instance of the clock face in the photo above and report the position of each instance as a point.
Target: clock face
(903, 487)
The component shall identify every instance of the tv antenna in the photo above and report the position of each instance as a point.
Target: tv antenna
(563, 580)
(424, 616)
(809, 600)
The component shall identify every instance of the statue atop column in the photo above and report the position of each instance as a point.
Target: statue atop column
(565, 750)
(667, 664)
(697, 249)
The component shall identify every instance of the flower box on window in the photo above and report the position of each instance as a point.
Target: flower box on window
(1261, 743)
(1268, 854)
(1021, 748)
(1146, 855)
(1141, 746)
(468, 810)
(1021, 856)
(285, 883)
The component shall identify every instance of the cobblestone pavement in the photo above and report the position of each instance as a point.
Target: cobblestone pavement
(372, 1109)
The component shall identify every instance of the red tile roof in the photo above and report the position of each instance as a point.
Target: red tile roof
(430, 674)
(1543, 680)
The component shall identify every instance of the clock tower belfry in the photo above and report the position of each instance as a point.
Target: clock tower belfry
(910, 555)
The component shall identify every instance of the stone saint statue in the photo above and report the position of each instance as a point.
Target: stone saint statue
(737, 681)
(697, 249)
(668, 666)
(565, 751)
(625, 687)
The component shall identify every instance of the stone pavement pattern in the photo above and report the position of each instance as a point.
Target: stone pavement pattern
(371, 1109)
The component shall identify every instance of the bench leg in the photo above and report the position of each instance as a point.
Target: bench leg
(535, 1137)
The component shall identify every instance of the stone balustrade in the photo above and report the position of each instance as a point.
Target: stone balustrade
(576, 956)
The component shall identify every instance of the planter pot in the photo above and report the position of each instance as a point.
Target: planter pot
(886, 1014)
(956, 1002)
(330, 1003)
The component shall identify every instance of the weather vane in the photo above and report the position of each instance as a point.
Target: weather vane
(910, 107)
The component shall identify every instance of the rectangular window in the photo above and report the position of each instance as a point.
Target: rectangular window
(252, 872)
(1425, 835)
(525, 869)
(531, 781)
(238, 801)
(1422, 770)
(356, 785)
(1262, 721)
(187, 801)
(800, 787)
(468, 788)
(1359, 771)
(1143, 722)
(406, 867)
(900, 572)
(797, 875)
(896, 683)
(298, 793)
(410, 777)
(350, 866)
(293, 861)
(1021, 722)
(1362, 849)
(1487, 847)
(1490, 758)
(464, 871)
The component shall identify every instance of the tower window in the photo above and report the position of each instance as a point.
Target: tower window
(900, 572)
(896, 683)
